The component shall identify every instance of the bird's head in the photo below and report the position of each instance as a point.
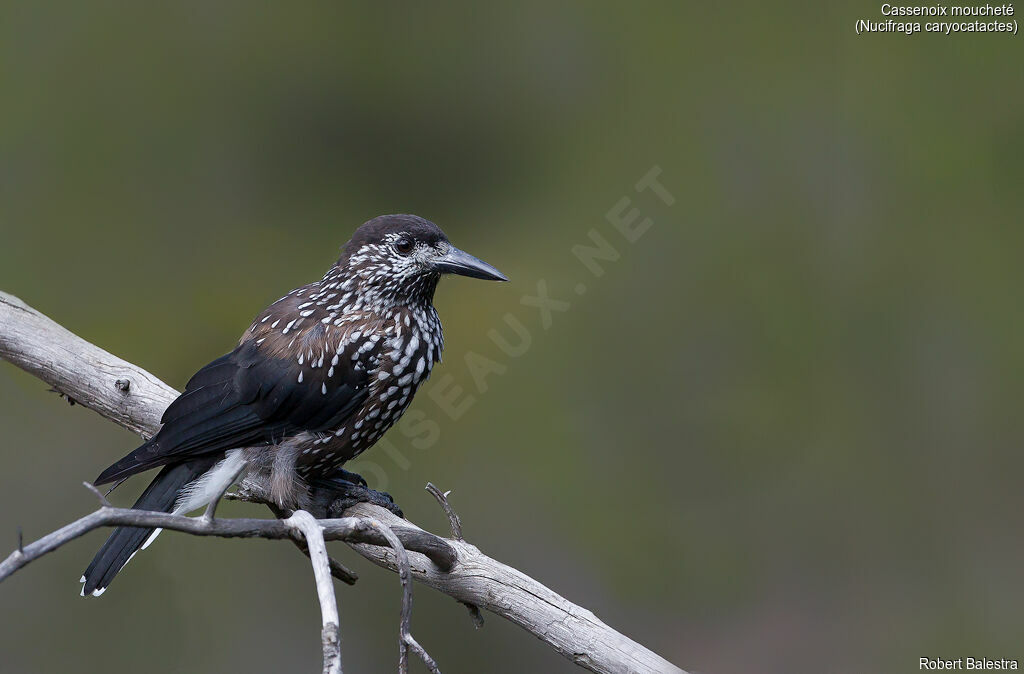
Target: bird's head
(400, 258)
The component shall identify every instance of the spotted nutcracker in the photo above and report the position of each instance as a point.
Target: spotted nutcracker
(317, 379)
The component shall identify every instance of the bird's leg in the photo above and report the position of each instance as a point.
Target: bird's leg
(344, 489)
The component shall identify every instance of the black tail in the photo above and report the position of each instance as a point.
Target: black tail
(160, 496)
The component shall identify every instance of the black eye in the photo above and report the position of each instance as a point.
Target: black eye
(404, 246)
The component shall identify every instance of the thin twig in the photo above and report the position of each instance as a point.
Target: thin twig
(108, 516)
(455, 522)
(406, 642)
(453, 517)
(100, 496)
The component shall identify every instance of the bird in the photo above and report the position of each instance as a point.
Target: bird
(314, 381)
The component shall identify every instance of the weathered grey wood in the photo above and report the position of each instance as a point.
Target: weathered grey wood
(298, 526)
(479, 580)
(330, 634)
(108, 516)
(90, 376)
(81, 371)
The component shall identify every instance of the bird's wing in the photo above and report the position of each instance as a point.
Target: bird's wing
(249, 397)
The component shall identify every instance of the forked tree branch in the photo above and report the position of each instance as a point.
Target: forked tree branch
(135, 399)
(330, 635)
(298, 526)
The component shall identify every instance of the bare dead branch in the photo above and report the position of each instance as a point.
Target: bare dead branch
(438, 550)
(88, 375)
(109, 516)
(406, 642)
(79, 370)
(456, 525)
(309, 528)
(100, 496)
(338, 570)
(453, 517)
(298, 526)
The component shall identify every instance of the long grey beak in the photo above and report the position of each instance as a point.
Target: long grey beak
(464, 264)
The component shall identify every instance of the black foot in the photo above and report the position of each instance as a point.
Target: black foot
(336, 494)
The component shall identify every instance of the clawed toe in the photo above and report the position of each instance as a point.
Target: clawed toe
(357, 494)
(343, 491)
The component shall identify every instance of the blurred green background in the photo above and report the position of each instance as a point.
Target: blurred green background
(780, 434)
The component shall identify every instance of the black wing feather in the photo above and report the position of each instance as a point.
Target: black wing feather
(244, 399)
